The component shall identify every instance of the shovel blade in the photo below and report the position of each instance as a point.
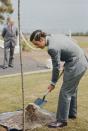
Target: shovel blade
(40, 102)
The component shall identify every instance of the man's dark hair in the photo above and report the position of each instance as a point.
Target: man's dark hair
(36, 35)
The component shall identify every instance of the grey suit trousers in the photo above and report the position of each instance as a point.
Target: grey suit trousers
(9, 55)
(67, 103)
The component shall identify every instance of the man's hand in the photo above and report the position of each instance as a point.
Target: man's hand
(51, 87)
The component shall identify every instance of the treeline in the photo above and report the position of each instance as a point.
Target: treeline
(79, 34)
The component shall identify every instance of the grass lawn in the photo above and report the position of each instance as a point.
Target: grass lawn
(35, 85)
(82, 41)
(83, 44)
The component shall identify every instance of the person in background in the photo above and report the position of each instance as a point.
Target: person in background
(9, 33)
(61, 48)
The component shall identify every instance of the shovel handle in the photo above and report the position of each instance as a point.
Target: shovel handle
(46, 94)
(61, 73)
(48, 90)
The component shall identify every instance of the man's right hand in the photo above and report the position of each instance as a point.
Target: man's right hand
(51, 87)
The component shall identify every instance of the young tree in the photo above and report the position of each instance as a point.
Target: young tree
(5, 7)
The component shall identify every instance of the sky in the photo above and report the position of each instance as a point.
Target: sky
(53, 15)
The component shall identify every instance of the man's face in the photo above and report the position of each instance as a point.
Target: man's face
(40, 43)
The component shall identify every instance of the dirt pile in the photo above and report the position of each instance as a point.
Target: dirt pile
(34, 117)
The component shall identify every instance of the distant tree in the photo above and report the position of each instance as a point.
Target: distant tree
(80, 34)
(86, 33)
(5, 8)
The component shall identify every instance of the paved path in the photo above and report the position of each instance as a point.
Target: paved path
(29, 64)
(32, 61)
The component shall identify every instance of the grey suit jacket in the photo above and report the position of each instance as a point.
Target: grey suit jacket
(61, 48)
(9, 35)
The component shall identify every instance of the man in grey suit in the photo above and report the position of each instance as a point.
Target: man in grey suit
(61, 48)
(9, 34)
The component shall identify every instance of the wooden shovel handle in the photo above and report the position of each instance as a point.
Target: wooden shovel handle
(48, 90)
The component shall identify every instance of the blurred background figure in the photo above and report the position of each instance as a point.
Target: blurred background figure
(9, 33)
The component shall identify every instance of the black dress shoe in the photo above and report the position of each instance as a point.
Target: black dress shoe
(14, 129)
(4, 67)
(11, 66)
(72, 117)
(57, 124)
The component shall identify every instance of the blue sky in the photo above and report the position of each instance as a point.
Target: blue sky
(53, 15)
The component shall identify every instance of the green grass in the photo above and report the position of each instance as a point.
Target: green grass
(35, 85)
(83, 44)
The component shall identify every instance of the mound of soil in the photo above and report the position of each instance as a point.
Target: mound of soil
(34, 117)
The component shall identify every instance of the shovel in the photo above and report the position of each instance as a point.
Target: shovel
(40, 102)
